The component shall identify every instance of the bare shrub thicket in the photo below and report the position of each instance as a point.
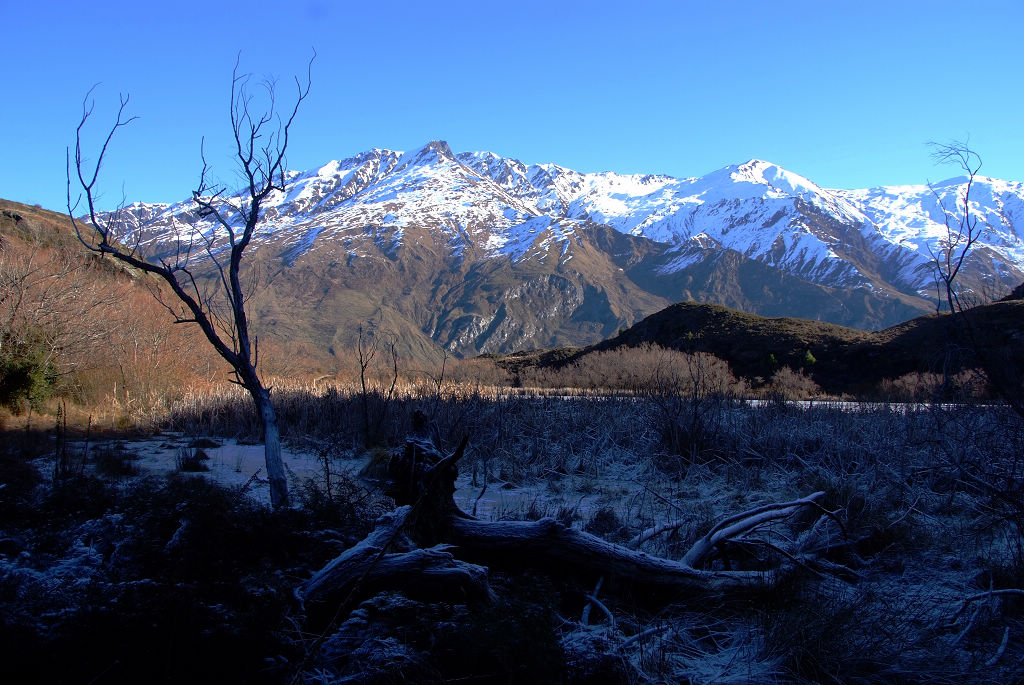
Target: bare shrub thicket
(788, 384)
(980, 453)
(637, 369)
(51, 315)
(686, 392)
(929, 386)
(690, 395)
(66, 328)
(475, 373)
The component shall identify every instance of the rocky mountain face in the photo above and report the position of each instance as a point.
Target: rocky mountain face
(477, 253)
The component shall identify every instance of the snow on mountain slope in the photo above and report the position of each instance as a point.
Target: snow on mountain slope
(480, 205)
(914, 216)
(380, 193)
(749, 208)
(775, 216)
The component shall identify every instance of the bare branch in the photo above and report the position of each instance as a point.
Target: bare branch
(984, 595)
(961, 226)
(743, 523)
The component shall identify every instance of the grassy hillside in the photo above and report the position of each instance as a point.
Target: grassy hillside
(839, 359)
(84, 328)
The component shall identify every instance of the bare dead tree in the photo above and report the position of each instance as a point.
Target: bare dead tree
(369, 343)
(962, 229)
(962, 232)
(260, 143)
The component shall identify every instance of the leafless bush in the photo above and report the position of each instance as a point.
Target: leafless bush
(928, 386)
(690, 395)
(980, 451)
(636, 369)
(792, 385)
(474, 373)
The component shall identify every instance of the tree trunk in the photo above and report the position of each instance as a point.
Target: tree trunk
(272, 449)
(369, 567)
(554, 548)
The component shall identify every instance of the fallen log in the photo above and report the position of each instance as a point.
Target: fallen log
(452, 543)
(368, 568)
(551, 546)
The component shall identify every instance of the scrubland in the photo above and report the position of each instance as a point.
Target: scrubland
(129, 576)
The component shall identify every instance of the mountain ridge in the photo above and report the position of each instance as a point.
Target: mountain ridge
(410, 230)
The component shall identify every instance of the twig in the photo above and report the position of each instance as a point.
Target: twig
(585, 618)
(252, 478)
(984, 595)
(478, 497)
(908, 512)
(781, 551)
(1002, 648)
(963, 633)
(656, 495)
(600, 605)
(642, 635)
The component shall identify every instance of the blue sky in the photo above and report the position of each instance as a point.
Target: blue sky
(845, 93)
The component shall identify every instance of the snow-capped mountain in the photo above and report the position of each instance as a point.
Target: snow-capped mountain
(775, 216)
(483, 253)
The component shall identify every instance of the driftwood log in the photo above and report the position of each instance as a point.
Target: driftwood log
(368, 567)
(429, 544)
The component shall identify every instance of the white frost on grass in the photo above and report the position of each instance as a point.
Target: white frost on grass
(231, 464)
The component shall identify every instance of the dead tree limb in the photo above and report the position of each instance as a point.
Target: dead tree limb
(988, 594)
(369, 567)
(741, 524)
(553, 547)
(655, 531)
(423, 482)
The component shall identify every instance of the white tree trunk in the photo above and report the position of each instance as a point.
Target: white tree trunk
(272, 450)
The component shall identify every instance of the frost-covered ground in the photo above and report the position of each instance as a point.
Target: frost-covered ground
(928, 499)
(227, 461)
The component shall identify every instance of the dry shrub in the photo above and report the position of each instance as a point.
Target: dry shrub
(54, 311)
(478, 372)
(689, 394)
(641, 369)
(925, 386)
(792, 385)
(99, 332)
(147, 362)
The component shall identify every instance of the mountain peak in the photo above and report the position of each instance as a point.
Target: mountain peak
(761, 172)
(434, 152)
